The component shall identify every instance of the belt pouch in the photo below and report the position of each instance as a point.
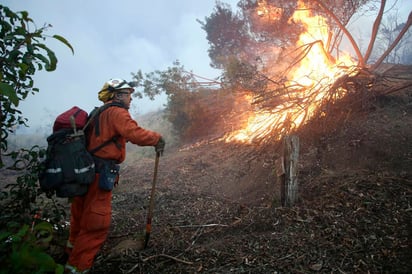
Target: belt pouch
(108, 173)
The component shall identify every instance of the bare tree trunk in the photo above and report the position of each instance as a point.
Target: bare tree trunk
(395, 42)
(289, 180)
(375, 29)
(347, 33)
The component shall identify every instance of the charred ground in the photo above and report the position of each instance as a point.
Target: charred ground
(218, 210)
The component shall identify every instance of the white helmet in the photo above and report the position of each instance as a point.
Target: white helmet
(106, 92)
(115, 84)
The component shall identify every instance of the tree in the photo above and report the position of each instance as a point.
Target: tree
(188, 106)
(263, 34)
(22, 53)
(177, 84)
(291, 59)
(226, 33)
(262, 26)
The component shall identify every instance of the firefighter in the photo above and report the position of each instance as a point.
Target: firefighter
(91, 214)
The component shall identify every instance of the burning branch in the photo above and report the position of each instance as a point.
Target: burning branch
(304, 50)
(312, 82)
(345, 30)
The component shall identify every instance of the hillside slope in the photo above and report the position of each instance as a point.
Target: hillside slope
(217, 204)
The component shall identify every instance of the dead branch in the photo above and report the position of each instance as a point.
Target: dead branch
(395, 89)
(195, 226)
(345, 30)
(375, 30)
(301, 54)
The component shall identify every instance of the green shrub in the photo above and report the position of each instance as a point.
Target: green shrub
(24, 250)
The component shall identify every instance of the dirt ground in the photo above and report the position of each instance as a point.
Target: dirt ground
(217, 206)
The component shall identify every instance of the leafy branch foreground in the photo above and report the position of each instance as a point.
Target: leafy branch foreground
(24, 239)
(30, 220)
(26, 250)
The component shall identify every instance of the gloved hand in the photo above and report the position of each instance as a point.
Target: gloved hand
(160, 146)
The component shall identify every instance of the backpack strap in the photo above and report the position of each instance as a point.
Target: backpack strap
(100, 110)
(113, 139)
(94, 116)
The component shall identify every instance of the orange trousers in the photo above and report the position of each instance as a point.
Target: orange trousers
(89, 225)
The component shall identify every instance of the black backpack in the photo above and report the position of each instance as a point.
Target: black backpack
(69, 168)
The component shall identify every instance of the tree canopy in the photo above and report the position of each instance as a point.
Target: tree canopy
(22, 53)
(263, 33)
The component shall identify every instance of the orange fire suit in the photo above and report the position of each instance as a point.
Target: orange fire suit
(91, 214)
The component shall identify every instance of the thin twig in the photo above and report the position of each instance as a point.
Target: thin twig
(133, 268)
(167, 256)
(285, 257)
(206, 225)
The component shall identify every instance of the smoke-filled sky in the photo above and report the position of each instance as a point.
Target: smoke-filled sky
(115, 38)
(112, 39)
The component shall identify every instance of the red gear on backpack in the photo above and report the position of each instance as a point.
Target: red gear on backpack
(63, 120)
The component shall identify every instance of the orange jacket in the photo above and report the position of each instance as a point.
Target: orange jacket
(116, 121)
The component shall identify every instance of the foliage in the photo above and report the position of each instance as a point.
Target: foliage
(183, 92)
(244, 75)
(24, 250)
(263, 34)
(227, 34)
(22, 53)
(170, 81)
(23, 199)
(19, 197)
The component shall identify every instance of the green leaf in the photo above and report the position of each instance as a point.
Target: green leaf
(4, 235)
(8, 91)
(59, 269)
(44, 226)
(44, 233)
(64, 41)
(51, 62)
(44, 60)
(43, 260)
(28, 258)
(21, 233)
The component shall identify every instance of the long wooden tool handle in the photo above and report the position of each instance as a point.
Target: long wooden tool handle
(152, 200)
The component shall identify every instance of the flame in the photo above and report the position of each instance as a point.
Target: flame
(318, 64)
(315, 75)
(267, 11)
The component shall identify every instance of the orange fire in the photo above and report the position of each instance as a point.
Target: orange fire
(267, 11)
(313, 77)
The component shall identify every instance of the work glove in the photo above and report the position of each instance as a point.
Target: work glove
(160, 146)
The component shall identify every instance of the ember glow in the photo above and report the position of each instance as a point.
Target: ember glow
(309, 82)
